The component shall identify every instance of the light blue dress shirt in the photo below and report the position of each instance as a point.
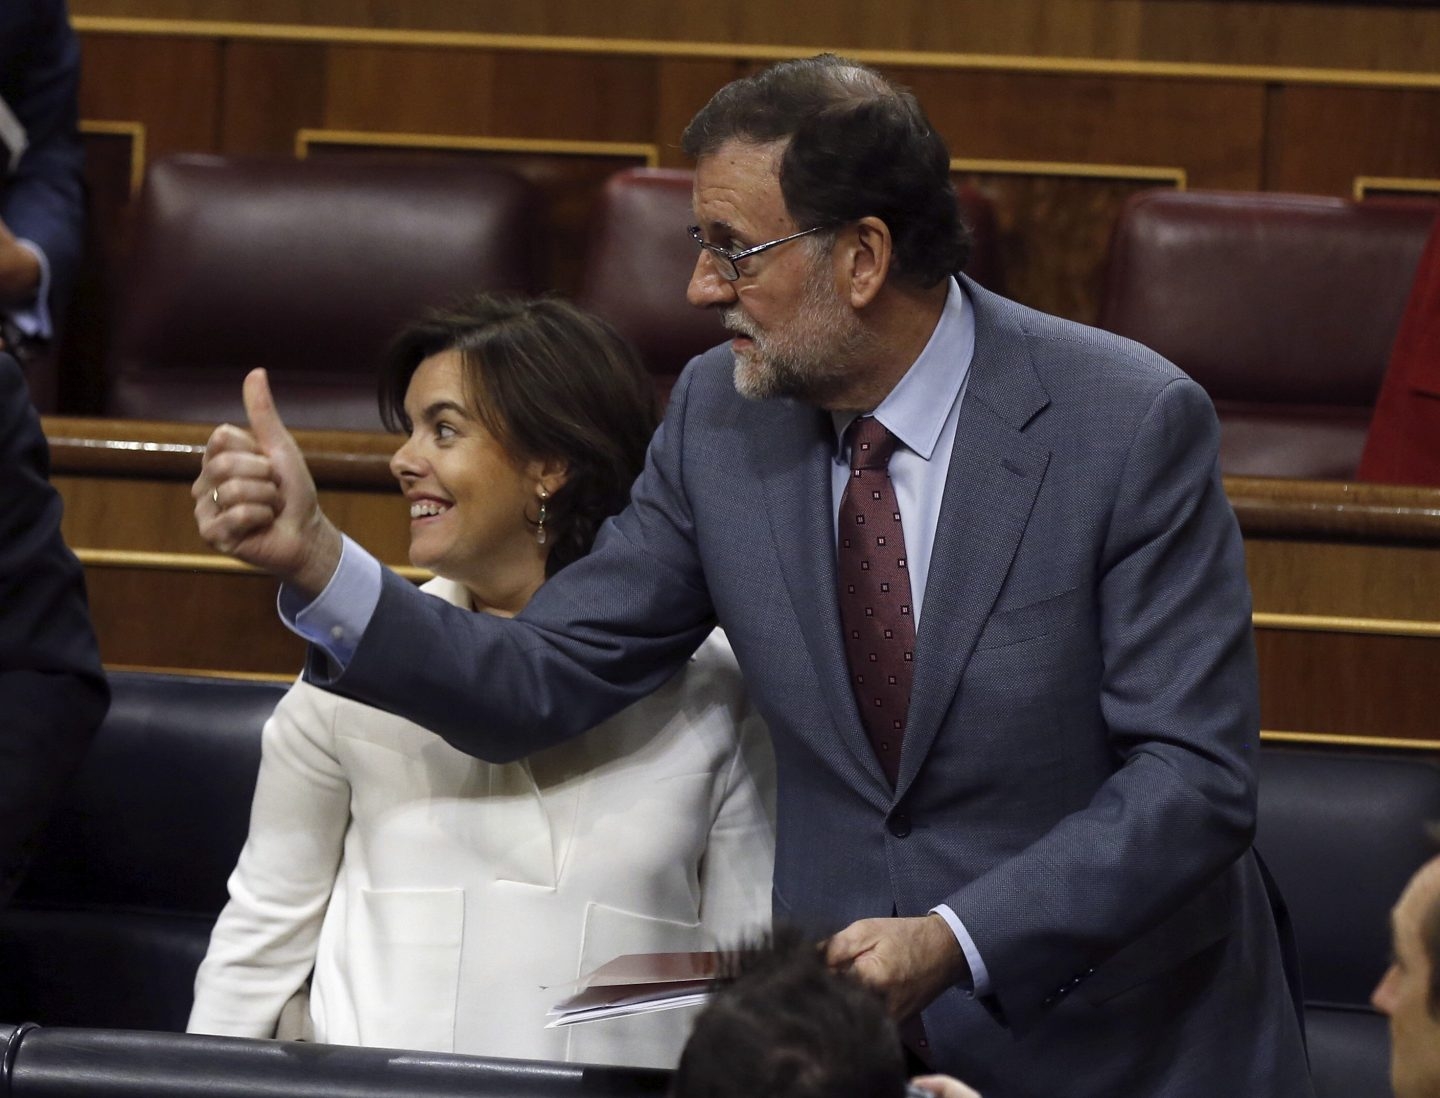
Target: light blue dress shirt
(921, 411)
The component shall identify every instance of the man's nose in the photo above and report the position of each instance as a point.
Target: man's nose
(707, 289)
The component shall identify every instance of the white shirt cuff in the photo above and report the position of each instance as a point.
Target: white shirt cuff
(33, 320)
(337, 618)
(979, 974)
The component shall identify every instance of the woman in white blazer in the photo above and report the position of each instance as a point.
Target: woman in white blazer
(396, 892)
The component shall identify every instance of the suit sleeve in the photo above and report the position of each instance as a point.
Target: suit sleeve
(44, 201)
(604, 632)
(53, 693)
(263, 947)
(1140, 867)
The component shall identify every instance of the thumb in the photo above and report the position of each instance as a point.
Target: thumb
(265, 423)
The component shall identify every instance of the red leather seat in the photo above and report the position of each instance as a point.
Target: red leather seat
(1403, 445)
(1282, 306)
(640, 262)
(305, 267)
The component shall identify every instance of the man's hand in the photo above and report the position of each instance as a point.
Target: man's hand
(255, 499)
(19, 270)
(909, 961)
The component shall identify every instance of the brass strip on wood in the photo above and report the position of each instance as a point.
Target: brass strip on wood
(203, 672)
(135, 131)
(1364, 184)
(1052, 168)
(1336, 739)
(737, 51)
(1321, 623)
(305, 138)
(149, 560)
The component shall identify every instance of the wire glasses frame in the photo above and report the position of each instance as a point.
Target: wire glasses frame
(725, 261)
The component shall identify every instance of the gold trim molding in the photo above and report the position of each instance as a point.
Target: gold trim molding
(135, 131)
(1176, 177)
(150, 560)
(743, 52)
(1321, 623)
(203, 672)
(305, 139)
(1364, 184)
(1335, 739)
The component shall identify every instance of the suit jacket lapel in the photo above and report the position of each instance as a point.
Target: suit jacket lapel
(791, 457)
(995, 474)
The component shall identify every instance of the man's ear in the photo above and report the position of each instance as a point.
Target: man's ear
(866, 251)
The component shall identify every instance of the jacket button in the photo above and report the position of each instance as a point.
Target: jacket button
(900, 824)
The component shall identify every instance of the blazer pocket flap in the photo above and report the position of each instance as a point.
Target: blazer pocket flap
(1201, 922)
(1035, 619)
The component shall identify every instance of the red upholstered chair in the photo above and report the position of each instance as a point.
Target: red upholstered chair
(640, 263)
(305, 267)
(1282, 306)
(1403, 446)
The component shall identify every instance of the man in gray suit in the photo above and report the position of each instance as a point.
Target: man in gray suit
(1040, 850)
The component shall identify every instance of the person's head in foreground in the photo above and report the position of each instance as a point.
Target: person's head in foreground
(1409, 992)
(527, 422)
(826, 220)
(784, 1025)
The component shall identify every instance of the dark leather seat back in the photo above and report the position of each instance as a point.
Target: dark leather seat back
(1342, 833)
(305, 267)
(114, 915)
(1282, 306)
(89, 1063)
(641, 258)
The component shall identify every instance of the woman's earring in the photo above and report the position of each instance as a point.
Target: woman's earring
(540, 523)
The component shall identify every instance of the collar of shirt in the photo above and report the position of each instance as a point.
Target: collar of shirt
(916, 409)
(922, 411)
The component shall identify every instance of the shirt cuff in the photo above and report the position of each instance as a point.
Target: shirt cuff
(33, 320)
(979, 974)
(337, 618)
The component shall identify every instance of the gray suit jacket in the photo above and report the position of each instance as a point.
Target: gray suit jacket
(1076, 779)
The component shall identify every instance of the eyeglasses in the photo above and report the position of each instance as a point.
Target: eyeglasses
(725, 260)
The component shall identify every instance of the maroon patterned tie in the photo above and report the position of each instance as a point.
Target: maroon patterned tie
(875, 609)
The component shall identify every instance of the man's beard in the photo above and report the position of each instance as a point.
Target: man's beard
(809, 359)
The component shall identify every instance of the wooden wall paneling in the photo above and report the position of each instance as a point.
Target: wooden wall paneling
(171, 85)
(269, 91)
(1055, 224)
(1347, 579)
(575, 97)
(162, 616)
(1213, 130)
(1351, 684)
(683, 86)
(399, 89)
(1322, 138)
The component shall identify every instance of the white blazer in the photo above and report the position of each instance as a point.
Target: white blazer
(444, 903)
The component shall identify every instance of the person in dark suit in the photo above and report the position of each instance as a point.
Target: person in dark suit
(53, 693)
(42, 191)
(1027, 820)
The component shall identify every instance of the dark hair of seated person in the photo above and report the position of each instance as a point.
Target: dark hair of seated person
(549, 381)
(783, 1025)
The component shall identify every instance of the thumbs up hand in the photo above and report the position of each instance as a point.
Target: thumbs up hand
(255, 499)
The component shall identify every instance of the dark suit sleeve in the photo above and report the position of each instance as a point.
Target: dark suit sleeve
(44, 201)
(53, 693)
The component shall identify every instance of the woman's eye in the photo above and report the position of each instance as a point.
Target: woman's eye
(444, 431)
